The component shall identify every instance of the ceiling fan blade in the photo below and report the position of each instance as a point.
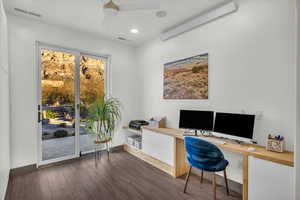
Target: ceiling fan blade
(140, 6)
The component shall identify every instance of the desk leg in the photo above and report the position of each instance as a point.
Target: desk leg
(180, 164)
(245, 177)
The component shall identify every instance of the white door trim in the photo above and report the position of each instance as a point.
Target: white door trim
(77, 53)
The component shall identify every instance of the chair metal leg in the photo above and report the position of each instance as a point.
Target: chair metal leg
(214, 186)
(95, 153)
(95, 156)
(99, 151)
(202, 176)
(226, 182)
(187, 179)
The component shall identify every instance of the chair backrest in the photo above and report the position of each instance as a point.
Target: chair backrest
(202, 152)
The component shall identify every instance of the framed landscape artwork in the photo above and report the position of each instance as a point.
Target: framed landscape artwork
(186, 78)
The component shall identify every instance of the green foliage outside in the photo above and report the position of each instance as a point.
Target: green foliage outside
(50, 114)
(63, 95)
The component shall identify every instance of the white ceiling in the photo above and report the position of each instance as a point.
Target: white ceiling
(87, 16)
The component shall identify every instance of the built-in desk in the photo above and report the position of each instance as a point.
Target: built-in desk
(285, 158)
(169, 155)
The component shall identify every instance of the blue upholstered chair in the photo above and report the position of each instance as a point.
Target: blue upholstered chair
(206, 157)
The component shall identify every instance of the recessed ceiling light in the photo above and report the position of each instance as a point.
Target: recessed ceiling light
(161, 14)
(134, 31)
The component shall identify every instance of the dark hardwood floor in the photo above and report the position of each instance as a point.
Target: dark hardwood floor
(123, 177)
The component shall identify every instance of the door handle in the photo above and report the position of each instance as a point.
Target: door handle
(39, 113)
(39, 117)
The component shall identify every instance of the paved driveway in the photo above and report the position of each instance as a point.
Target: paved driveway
(59, 147)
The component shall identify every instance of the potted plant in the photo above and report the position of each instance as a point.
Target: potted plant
(103, 118)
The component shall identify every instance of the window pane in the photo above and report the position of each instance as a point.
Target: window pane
(92, 76)
(58, 104)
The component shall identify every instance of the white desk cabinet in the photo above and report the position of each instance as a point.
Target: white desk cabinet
(159, 146)
(269, 180)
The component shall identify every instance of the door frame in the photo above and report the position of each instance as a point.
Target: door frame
(107, 89)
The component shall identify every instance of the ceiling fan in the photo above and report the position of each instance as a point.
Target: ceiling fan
(112, 8)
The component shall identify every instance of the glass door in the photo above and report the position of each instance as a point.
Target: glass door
(92, 87)
(57, 108)
(69, 81)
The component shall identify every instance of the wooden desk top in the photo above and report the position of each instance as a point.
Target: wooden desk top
(285, 158)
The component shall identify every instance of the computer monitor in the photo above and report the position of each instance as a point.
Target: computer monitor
(239, 125)
(196, 120)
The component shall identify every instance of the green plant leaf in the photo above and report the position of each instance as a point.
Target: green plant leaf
(103, 117)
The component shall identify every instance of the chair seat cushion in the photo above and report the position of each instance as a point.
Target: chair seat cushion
(220, 166)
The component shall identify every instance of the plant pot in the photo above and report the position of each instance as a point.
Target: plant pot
(102, 141)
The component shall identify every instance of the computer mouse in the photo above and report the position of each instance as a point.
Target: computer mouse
(251, 149)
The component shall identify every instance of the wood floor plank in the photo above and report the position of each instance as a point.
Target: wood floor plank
(122, 177)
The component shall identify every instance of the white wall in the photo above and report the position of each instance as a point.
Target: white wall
(4, 105)
(251, 67)
(297, 146)
(23, 34)
(3, 36)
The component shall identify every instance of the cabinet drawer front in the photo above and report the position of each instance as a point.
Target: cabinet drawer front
(269, 180)
(159, 146)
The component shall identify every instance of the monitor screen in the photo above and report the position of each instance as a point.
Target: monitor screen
(240, 125)
(197, 120)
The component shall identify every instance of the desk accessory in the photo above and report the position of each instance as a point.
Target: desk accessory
(275, 143)
(206, 134)
(159, 122)
(137, 124)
